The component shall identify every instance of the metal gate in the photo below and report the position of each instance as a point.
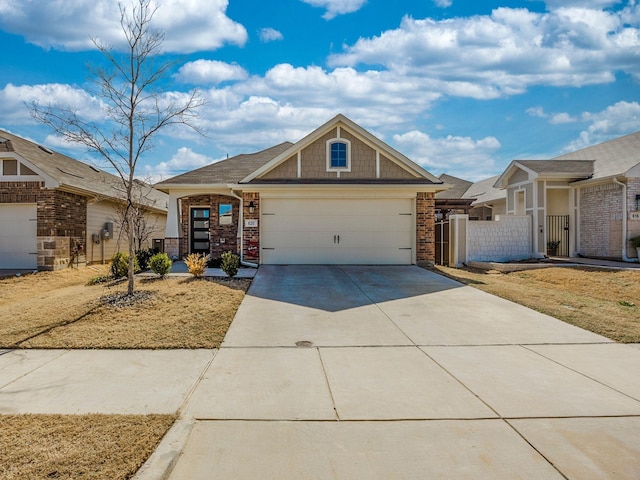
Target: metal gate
(442, 242)
(558, 235)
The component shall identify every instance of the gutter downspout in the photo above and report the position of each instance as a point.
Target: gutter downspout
(624, 221)
(241, 230)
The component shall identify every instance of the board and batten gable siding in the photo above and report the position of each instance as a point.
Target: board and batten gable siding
(313, 162)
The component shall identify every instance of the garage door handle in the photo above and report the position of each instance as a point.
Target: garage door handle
(265, 248)
(404, 248)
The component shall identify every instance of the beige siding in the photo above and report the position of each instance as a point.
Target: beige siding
(288, 169)
(518, 176)
(391, 170)
(105, 211)
(314, 158)
(363, 158)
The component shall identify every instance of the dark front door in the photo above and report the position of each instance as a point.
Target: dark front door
(200, 230)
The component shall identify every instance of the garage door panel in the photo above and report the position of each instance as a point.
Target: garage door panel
(337, 231)
(324, 223)
(18, 240)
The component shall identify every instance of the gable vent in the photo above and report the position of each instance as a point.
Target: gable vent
(45, 150)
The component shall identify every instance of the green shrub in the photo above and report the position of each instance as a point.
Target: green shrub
(230, 264)
(196, 263)
(160, 263)
(99, 279)
(120, 265)
(143, 256)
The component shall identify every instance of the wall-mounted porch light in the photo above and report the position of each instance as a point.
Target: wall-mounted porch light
(252, 207)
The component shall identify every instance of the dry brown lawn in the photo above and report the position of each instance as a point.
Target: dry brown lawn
(58, 310)
(101, 447)
(604, 302)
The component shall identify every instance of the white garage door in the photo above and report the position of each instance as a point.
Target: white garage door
(18, 236)
(337, 231)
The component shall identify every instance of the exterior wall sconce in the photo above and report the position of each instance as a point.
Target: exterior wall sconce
(252, 207)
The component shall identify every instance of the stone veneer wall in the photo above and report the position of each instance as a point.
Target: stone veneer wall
(425, 229)
(507, 238)
(216, 231)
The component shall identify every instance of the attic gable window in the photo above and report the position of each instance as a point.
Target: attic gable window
(338, 155)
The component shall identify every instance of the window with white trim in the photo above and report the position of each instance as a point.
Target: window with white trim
(339, 155)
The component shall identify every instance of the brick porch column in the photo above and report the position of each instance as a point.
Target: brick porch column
(425, 229)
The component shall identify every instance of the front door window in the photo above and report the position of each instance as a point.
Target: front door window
(200, 230)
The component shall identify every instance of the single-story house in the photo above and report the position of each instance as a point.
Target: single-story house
(582, 203)
(338, 196)
(55, 210)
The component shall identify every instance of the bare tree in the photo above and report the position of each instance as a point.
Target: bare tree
(135, 108)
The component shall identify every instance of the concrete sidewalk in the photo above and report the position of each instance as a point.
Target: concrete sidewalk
(363, 373)
(396, 372)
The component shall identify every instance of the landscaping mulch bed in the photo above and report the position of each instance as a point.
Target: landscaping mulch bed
(59, 310)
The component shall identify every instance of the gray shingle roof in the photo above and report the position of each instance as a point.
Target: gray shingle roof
(573, 168)
(614, 157)
(484, 191)
(458, 189)
(70, 173)
(231, 170)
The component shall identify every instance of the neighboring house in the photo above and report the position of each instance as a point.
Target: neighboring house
(583, 203)
(483, 200)
(338, 196)
(55, 210)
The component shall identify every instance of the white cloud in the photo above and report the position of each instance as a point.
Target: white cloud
(616, 120)
(269, 35)
(537, 112)
(210, 72)
(560, 118)
(189, 25)
(336, 7)
(459, 156)
(182, 161)
(506, 52)
(15, 98)
(554, 119)
(443, 3)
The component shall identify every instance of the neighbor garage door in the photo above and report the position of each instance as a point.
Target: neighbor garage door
(18, 240)
(337, 231)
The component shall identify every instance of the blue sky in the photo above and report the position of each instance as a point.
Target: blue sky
(460, 87)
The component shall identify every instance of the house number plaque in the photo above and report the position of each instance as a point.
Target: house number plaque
(251, 223)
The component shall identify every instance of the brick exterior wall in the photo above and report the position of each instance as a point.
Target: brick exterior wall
(61, 221)
(216, 231)
(20, 192)
(633, 227)
(251, 235)
(601, 221)
(425, 229)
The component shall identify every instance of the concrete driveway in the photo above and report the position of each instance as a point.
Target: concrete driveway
(396, 372)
